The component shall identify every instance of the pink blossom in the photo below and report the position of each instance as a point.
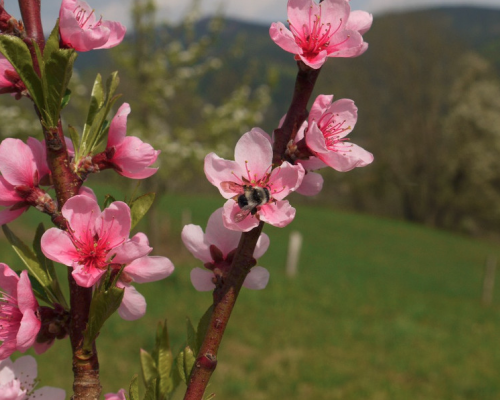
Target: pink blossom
(19, 166)
(18, 379)
(94, 239)
(81, 30)
(329, 124)
(216, 249)
(251, 171)
(141, 270)
(128, 155)
(318, 31)
(116, 396)
(19, 320)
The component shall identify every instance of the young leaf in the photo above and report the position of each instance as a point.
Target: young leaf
(179, 363)
(29, 259)
(189, 359)
(140, 206)
(151, 391)
(75, 138)
(104, 304)
(38, 290)
(148, 366)
(133, 390)
(191, 335)
(165, 360)
(16, 51)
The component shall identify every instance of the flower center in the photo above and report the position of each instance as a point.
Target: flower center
(10, 317)
(332, 131)
(83, 19)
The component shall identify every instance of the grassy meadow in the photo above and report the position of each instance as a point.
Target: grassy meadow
(380, 309)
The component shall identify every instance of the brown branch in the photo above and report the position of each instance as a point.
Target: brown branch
(226, 291)
(225, 295)
(30, 13)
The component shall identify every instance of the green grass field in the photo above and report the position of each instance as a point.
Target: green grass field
(380, 310)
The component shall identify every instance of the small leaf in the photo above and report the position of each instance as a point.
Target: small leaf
(75, 138)
(203, 327)
(66, 98)
(150, 391)
(189, 359)
(38, 290)
(133, 390)
(104, 304)
(108, 199)
(164, 361)
(180, 366)
(16, 51)
(191, 335)
(148, 366)
(140, 206)
(29, 259)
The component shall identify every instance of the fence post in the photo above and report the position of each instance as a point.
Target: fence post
(294, 246)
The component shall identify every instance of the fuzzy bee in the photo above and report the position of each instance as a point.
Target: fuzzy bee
(249, 198)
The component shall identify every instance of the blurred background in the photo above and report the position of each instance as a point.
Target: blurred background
(394, 295)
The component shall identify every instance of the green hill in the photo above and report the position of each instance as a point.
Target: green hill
(380, 309)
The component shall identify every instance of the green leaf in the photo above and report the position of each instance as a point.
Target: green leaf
(29, 258)
(150, 391)
(75, 138)
(189, 359)
(108, 199)
(191, 335)
(133, 390)
(16, 51)
(165, 360)
(66, 98)
(58, 71)
(104, 304)
(52, 43)
(203, 325)
(48, 267)
(140, 206)
(180, 366)
(38, 290)
(148, 366)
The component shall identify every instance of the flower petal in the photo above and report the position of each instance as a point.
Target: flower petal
(262, 246)
(194, 240)
(30, 326)
(279, 214)
(231, 208)
(57, 246)
(149, 269)
(354, 157)
(285, 179)
(257, 278)
(218, 170)
(133, 305)
(81, 212)
(114, 224)
(254, 154)
(17, 162)
(202, 279)
(118, 126)
(86, 277)
(218, 235)
(25, 297)
(311, 184)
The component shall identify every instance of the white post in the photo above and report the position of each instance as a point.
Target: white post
(294, 246)
(489, 280)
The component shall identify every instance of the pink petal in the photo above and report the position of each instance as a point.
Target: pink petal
(254, 154)
(284, 38)
(346, 113)
(25, 297)
(319, 107)
(7, 216)
(218, 235)
(145, 173)
(40, 156)
(17, 163)
(359, 21)
(41, 348)
(8, 280)
(150, 269)
(57, 246)
(26, 371)
(86, 191)
(30, 326)
(130, 251)
(117, 33)
(315, 139)
(218, 170)
(133, 305)
(262, 246)
(81, 212)
(114, 223)
(257, 278)
(132, 155)
(194, 240)
(118, 127)
(116, 396)
(355, 157)
(279, 214)
(312, 164)
(86, 277)
(231, 208)
(8, 194)
(311, 184)
(285, 179)
(202, 279)
(7, 348)
(314, 61)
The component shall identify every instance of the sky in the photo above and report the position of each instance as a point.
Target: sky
(261, 11)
